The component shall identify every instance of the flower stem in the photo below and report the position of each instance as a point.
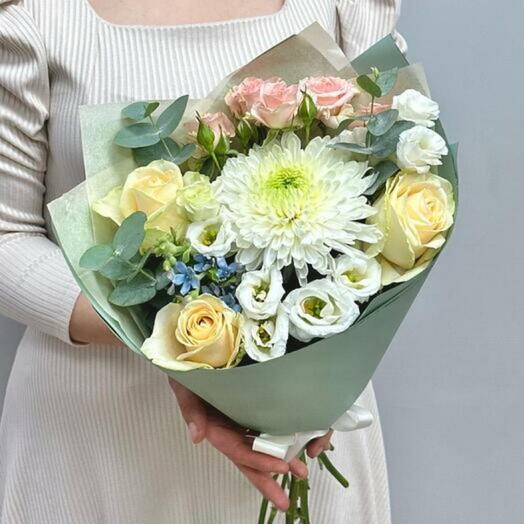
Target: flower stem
(304, 494)
(215, 160)
(323, 458)
(263, 511)
(293, 500)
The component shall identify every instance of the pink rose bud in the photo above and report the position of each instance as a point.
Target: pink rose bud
(219, 123)
(240, 98)
(332, 96)
(277, 104)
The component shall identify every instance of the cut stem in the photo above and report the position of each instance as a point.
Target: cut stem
(323, 458)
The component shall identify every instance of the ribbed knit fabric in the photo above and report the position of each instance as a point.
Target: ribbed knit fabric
(93, 434)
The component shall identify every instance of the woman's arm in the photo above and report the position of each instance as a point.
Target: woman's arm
(364, 22)
(36, 286)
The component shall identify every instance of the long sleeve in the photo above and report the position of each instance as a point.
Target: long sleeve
(36, 286)
(364, 22)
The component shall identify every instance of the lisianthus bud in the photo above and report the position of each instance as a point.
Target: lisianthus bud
(307, 109)
(205, 136)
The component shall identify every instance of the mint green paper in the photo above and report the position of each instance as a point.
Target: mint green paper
(305, 390)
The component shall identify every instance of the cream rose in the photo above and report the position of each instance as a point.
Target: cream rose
(331, 96)
(415, 107)
(419, 148)
(203, 333)
(277, 104)
(414, 213)
(151, 189)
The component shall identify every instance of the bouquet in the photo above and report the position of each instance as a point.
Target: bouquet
(265, 243)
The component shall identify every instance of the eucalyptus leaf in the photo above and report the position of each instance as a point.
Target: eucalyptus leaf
(387, 80)
(137, 135)
(162, 279)
(138, 291)
(170, 118)
(184, 153)
(145, 155)
(117, 268)
(369, 86)
(381, 123)
(139, 110)
(96, 257)
(386, 144)
(381, 172)
(354, 148)
(130, 235)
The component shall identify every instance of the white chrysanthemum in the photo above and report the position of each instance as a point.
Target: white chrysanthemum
(293, 205)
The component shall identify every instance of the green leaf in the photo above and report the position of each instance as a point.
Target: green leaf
(145, 155)
(386, 144)
(369, 86)
(139, 110)
(354, 148)
(117, 269)
(381, 173)
(184, 153)
(96, 257)
(137, 135)
(138, 291)
(381, 123)
(170, 118)
(387, 80)
(130, 235)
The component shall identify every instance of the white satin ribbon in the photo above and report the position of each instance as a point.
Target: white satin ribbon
(289, 446)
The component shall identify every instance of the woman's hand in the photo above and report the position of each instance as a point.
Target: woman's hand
(86, 327)
(204, 422)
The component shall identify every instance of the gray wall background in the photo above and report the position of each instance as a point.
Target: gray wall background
(451, 387)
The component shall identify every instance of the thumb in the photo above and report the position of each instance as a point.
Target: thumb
(193, 410)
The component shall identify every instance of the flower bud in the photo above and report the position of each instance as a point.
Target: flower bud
(244, 131)
(307, 110)
(222, 146)
(205, 137)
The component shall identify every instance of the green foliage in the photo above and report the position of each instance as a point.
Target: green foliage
(139, 290)
(130, 235)
(386, 144)
(170, 118)
(381, 172)
(96, 257)
(142, 134)
(369, 86)
(381, 123)
(117, 268)
(166, 149)
(386, 81)
(354, 148)
(139, 110)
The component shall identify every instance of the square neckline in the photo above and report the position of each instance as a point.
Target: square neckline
(286, 6)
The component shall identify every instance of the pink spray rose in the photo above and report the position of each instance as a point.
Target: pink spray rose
(277, 104)
(240, 98)
(218, 122)
(332, 96)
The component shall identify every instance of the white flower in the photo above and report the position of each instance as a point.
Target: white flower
(415, 107)
(266, 339)
(197, 197)
(213, 237)
(320, 309)
(420, 148)
(260, 293)
(290, 205)
(359, 274)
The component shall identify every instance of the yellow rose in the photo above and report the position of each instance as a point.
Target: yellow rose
(203, 333)
(413, 213)
(151, 189)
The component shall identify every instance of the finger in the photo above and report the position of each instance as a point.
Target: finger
(193, 410)
(232, 443)
(317, 446)
(268, 486)
(298, 468)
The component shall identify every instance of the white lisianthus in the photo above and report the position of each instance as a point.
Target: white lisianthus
(197, 197)
(212, 238)
(415, 107)
(260, 293)
(321, 308)
(419, 148)
(290, 205)
(266, 339)
(361, 275)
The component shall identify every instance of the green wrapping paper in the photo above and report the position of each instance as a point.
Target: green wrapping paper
(304, 390)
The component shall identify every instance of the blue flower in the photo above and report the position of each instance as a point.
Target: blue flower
(225, 270)
(184, 277)
(230, 301)
(203, 263)
(212, 289)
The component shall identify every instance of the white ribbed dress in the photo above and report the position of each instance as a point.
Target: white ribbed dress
(93, 434)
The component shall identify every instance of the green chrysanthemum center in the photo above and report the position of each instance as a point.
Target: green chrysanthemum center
(289, 177)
